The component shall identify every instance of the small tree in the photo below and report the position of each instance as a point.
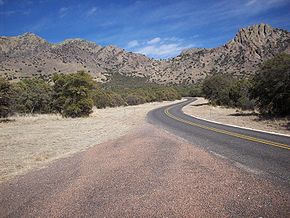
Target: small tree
(5, 97)
(72, 94)
(32, 96)
(216, 88)
(271, 86)
(240, 95)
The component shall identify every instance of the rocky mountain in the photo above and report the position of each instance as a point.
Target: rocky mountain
(29, 55)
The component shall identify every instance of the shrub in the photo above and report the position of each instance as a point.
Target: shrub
(32, 96)
(134, 100)
(5, 97)
(216, 88)
(72, 94)
(228, 91)
(271, 86)
(240, 95)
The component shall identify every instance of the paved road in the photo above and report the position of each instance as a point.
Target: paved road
(147, 173)
(257, 152)
(153, 173)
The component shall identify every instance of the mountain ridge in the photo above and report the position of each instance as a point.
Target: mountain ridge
(29, 55)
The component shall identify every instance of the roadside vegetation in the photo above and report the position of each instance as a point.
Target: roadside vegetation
(74, 95)
(268, 90)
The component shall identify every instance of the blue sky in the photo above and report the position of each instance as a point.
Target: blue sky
(159, 29)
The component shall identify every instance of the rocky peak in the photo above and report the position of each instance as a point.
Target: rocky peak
(31, 37)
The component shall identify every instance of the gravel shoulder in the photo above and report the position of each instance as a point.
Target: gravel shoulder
(146, 173)
(231, 116)
(35, 141)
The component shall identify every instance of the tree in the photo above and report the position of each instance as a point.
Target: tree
(72, 94)
(271, 86)
(240, 95)
(5, 97)
(216, 88)
(32, 96)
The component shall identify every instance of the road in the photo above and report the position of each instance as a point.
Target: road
(151, 172)
(261, 153)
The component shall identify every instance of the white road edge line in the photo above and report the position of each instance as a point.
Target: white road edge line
(218, 155)
(241, 127)
(248, 169)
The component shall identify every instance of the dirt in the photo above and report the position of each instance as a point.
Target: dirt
(33, 141)
(232, 116)
(147, 173)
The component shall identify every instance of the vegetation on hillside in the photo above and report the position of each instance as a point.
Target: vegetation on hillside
(74, 95)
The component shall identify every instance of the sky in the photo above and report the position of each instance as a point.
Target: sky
(158, 29)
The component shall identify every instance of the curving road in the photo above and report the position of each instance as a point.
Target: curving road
(257, 152)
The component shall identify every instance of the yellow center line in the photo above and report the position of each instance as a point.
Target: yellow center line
(237, 135)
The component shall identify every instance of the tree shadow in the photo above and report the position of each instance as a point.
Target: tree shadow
(244, 114)
(198, 105)
(6, 120)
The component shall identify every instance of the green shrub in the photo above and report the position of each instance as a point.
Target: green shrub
(216, 88)
(271, 86)
(228, 91)
(32, 96)
(5, 97)
(72, 94)
(240, 95)
(134, 100)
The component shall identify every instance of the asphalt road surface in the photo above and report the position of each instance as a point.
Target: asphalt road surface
(261, 153)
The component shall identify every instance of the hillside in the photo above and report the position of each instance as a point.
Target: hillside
(29, 55)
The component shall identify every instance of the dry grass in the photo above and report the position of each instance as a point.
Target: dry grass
(249, 119)
(32, 141)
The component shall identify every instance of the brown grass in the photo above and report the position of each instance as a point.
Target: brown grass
(32, 141)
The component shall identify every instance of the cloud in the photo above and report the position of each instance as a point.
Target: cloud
(8, 13)
(132, 44)
(163, 50)
(63, 12)
(154, 41)
(92, 11)
(1, 2)
(249, 3)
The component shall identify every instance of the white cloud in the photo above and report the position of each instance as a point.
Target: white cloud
(154, 41)
(62, 12)
(251, 2)
(132, 44)
(92, 11)
(164, 50)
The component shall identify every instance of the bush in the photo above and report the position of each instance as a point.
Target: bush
(72, 94)
(32, 96)
(271, 86)
(228, 91)
(194, 90)
(134, 100)
(5, 97)
(240, 95)
(216, 88)
(103, 99)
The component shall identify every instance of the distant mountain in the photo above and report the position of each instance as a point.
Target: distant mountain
(29, 55)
